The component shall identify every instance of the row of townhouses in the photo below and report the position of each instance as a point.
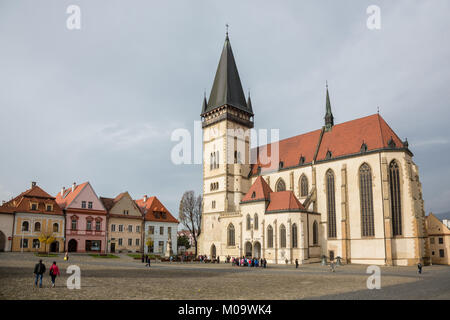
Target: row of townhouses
(77, 220)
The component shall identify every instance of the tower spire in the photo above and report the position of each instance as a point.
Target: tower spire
(329, 119)
(227, 87)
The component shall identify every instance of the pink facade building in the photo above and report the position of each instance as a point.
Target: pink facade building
(85, 219)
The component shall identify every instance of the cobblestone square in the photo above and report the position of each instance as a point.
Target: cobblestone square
(126, 278)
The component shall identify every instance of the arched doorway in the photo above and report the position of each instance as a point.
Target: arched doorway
(72, 245)
(2, 241)
(248, 249)
(54, 246)
(213, 252)
(257, 250)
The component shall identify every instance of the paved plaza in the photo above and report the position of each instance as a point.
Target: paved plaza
(126, 278)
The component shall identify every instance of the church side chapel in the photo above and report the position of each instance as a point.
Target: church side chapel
(349, 190)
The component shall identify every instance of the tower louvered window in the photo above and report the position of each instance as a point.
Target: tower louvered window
(396, 205)
(331, 205)
(365, 188)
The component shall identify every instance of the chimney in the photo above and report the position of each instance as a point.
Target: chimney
(3, 202)
(145, 198)
(73, 186)
(33, 184)
(62, 191)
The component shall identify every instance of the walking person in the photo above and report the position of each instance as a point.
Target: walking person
(142, 258)
(296, 263)
(419, 268)
(54, 272)
(333, 266)
(66, 256)
(39, 270)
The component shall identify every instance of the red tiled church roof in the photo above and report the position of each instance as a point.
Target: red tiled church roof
(343, 139)
(259, 190)
(154, 210)
(284, 201)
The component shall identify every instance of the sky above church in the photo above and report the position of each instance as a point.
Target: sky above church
(99, 104)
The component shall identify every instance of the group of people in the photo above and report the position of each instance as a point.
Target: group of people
(146, 259)
(39, 270)
(249, 262)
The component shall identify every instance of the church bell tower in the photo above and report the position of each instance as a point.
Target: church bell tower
(226, 120)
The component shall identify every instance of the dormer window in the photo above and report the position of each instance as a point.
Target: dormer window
(281, 165)
(302, 160)
(34, 206)
(49, 207)
(253, 194)
(329, 155)
(364, 147)
(259, 170)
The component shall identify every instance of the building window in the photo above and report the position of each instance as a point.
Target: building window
(74, 224)
(97, 225)
(213, 204)
(120, 227)
(255, 222)
(34, 206)
(253, 194)
(90, 205)
(280, 186)
(36, 244)
(89, 225)
(269, 237)
(49, 208)
(24, 243)
(25, 226)
(431, 240)
(441, 240)
(161, 230)
(365, 188)
(248, 224)
(441, 253)
(120, 241)
(169, 230)
(151, 229)
(137, 242)
(55, 227)
(130, 242)
(331, 253)
(113, 228)
(138, 228)
(315, 233)
(161, 246)
(130, 228)
(303, 186)
(230, 235)
(294, 235)
(125, 212)
(37, 227)
(83, 204)
(282, 236)
(331, 205)
(396, 206)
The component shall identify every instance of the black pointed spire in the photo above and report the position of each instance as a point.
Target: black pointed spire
(249, 103)
(329, 119)
(205, 103)
(227, 87)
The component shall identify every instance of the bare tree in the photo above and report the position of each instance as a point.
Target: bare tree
(191, 214)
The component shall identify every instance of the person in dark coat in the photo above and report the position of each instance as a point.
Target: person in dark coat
(39, 270)
(419, 268)
(142, 258)
(296, 263)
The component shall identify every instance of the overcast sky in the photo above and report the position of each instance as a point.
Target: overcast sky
(99, 104)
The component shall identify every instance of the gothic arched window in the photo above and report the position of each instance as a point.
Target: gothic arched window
(230, 235)
(280, 186)
(269, 237)
(331, 204)
(248, 222)
(294, 235)
(255, 222)
(315, 233)
(303, 186)
(396, 203)
(365, 190)
(282, 236)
